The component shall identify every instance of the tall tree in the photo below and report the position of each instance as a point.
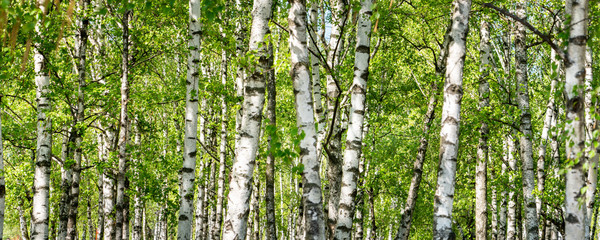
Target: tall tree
(333, 141)
(41, 183)
(525, 144)
(271, 225)
(222, 146)
(354, 136)
(184, 228)
(450, 128)
(575, 212)
(78, 130)
(482, 149)
(247, 146)
(314, 225)
(123, 131)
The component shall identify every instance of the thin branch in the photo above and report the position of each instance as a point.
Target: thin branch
(545, 37)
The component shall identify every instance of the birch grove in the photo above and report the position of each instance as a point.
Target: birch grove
(143, 120)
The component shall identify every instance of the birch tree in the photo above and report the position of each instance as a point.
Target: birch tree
(271, 228)
(123, 132)
(184, 227)
(526, 146)
(314, 226)
(575, 212)
(354, 136)
(482, 149)
(41, 183)
(78, 130)
(222, 147)
(450, 128)
(333, 143)
(249, 132)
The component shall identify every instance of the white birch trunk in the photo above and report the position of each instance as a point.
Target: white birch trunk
(138, 205)
(481, 210)
(66, 176)
(108, 192)
(314, 227)
(199, 219)
(254, 98)
(548, 119)
(315, 63)
(450, 128)
(271, 228)
(511, 218)
(186, 208)
(222, 148)
(333, 142)
(22, 223)
(78, 131)
(526, 146)
(123, 132)
(41, 182)
(575, 212)
(354, 135)
(591, 152)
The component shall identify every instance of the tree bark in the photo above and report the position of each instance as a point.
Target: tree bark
(315, 63)
(108, 191)
(450, 128)
(354, 140)
(511, 219)
(314, 226)
(575, 213)
(123, 132)
(271, 115)
(66, 177)
(41, 182)
(254, 98)
(222, 148)
(186, 209)
(78, 130)
(481, 210)
(333, 143)
(526, 146)
(591, 126)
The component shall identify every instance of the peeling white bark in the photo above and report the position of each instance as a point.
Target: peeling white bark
(186, 209)
(481, 210)
(575, 213)
(450, 128)
(249, 132)
(354, 135)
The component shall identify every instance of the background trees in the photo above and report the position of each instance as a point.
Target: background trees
(51, 72)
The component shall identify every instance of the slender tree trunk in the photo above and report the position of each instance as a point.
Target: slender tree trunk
(450, 128)
(256, 202)
(314, 227)
(79, 119)
(240, 49)
(200, 205)
(526, 146)
(511, 219)
(254, 98)
(66, 176)
(108, 190)
(481, 210)
(548, 119)
(41, 182)
(575, 213)
(315, 63)
(590, 122)
(22, 222)
(271, 228)
(222, 148)
(101, 158)
(354, 136)
(186, 209)
(333, 143)
(138, 205)
(494, 203)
